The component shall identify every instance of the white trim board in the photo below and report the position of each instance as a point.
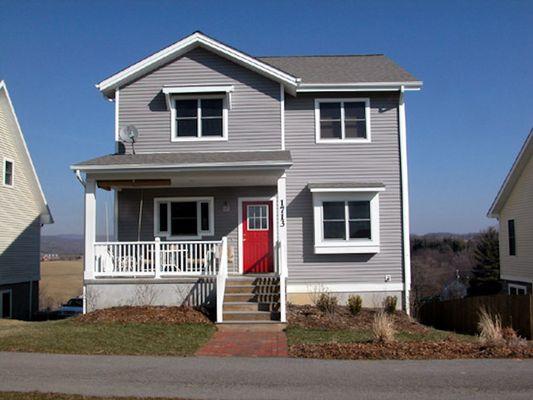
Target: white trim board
(344, 287)
(182, 46)
(45, 218)
(516, 278)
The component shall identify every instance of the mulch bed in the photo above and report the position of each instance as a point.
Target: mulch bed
(146, 314)
(310, 317)
(441, 350)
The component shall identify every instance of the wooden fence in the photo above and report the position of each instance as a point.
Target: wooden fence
(461, 315)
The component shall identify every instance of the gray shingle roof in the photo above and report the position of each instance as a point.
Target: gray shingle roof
(188, 159)
(341, 69)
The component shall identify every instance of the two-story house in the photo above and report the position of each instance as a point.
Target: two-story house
(513, 207)
(23, 210)
(247, 182)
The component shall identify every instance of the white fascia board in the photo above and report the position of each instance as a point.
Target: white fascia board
(358, 87)
(347, 189)
(197, 89)
(184, 45)
(45, 218)
(511, 178)
(167, 167)
(344, 287)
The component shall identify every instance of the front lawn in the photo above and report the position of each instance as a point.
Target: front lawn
(74, 337)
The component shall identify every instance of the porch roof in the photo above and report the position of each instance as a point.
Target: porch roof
(179, 161)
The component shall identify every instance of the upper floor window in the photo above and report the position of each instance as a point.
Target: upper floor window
(199, 118)
(9, 172)
(342, 120)
(512, 237)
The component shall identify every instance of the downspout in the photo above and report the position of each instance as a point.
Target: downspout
(79, 177)
(405, 202)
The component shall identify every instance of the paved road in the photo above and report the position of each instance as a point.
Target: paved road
(266, 378)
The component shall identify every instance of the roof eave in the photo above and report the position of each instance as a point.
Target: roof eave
(108, 86)
(510, 181)
(110, 168)
(359, 87)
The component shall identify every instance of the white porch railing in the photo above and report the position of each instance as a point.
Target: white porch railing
(157, 259)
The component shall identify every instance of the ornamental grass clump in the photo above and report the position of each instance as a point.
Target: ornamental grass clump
(354, 304)
(383, 328)
(490, 328)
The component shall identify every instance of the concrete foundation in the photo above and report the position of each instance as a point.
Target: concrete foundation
(122, 292)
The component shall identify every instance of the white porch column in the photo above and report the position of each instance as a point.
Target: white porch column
(90, 227)
(282, 239)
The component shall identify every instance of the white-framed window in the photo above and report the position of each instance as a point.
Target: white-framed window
(257, 217)
(6, 303)
(199, 118)
(184, 217)
(346, 221)
(8, 173)
(342, 120)
(514, 288)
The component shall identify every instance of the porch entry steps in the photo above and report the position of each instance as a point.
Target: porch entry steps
(251, 299)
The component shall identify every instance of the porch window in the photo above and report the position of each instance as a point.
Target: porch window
(346, 222)
(342, 120)
(183, 218)
(199, 118)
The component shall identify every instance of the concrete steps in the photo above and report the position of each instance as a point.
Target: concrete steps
(251, 299)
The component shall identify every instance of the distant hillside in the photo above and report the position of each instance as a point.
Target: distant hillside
(63, 244)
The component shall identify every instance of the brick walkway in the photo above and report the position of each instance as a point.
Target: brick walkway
(245, 344)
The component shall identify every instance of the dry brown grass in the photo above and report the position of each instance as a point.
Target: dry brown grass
(60, 281)
(383, 328)
(490, 328)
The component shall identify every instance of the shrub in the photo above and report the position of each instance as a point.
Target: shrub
(326, 302)
(490, 328)
(383, 328)
(354, 304)
(389, 304)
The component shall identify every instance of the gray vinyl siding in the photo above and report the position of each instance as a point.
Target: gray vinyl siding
(226, 223)
(20, 207)
(377, 161)
(254, 119)
(518, 206)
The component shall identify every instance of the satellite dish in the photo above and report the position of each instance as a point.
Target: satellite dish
(128, 134)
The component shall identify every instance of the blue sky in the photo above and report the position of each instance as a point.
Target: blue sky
(464, 128)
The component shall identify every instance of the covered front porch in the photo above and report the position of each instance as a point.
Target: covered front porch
(186, 223)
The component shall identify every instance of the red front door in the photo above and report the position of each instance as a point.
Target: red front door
(257, 237)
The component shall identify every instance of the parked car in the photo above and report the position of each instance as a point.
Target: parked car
(72, 307)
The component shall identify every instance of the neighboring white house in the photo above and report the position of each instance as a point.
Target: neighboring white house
(513, 207)
(23, 210)
(252, 181)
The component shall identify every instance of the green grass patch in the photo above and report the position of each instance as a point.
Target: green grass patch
(69, 337)
(300, 335)
(58, 396)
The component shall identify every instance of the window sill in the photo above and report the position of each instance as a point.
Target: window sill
(347, 248)
(201, 139)
(342, 141)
